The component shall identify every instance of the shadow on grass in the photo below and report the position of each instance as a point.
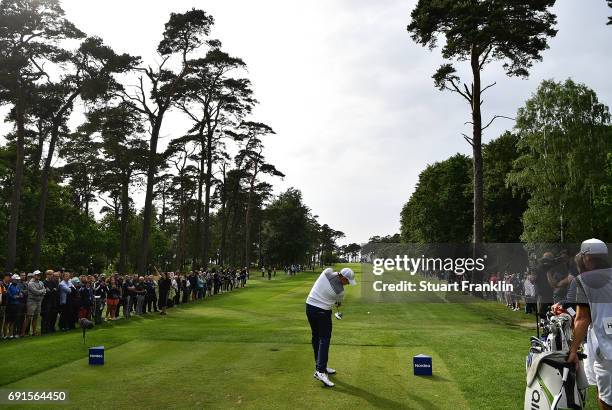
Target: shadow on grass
(375, 400)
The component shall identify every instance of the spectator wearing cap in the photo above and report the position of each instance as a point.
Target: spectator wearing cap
(594, 316)
(20, 322)
(14, 295)
(36, 293)
(5, 281)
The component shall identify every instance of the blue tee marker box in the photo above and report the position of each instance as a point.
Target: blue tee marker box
(96, 355)
(422, 365)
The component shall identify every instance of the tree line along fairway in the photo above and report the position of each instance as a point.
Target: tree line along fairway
(250, 349)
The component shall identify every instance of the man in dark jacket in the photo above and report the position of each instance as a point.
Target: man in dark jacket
(50, 303)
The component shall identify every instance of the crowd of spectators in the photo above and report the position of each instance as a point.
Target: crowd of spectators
(539, 287)
(60, 299)
(535, 289)
(290, 270)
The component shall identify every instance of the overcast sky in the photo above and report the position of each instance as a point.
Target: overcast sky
(350, 94)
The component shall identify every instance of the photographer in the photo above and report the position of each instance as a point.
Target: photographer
(544, 290)
(560, 276)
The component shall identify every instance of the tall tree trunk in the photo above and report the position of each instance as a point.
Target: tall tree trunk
(163, 210)
(11, 255)
(208, 182)
(125, 214)
(198, 235)
(247, 232)
(231, 206)
(476, 276)
(148, 206)
(224, 223)
(247, 223)
(182, 245)
(39, 146)
(224, 220)
(44, 191)
(477, 150)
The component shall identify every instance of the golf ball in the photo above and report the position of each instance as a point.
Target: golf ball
(368, 313)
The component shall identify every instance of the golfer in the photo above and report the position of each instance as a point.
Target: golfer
(327, 291)
(594, 315)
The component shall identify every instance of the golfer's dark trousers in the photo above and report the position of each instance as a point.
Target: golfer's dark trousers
(321, 325)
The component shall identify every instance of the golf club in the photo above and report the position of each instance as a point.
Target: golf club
(338, 314)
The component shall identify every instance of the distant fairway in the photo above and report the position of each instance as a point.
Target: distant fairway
(251, 349)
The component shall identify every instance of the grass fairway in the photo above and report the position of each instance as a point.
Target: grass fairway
(251, 349)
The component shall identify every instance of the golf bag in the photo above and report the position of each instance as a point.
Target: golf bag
(552, 383)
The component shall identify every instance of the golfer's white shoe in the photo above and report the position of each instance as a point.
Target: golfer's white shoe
(324, 379)
(331, 371)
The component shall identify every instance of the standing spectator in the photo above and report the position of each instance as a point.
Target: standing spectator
(217, 280)
(177, 286)
(185, 289)
(65, 289)
(4, 284)
(150, 296)
(100, 291)
(164, 285)
(119, 281)
(129, 296)
(14, 295)
(201, 286)
(493, 282)
(75, 300)
(209, 284)
(113, 297)
(36, 293)
(544, 291)
(530, 294)
(559, 278)
(140, 292)
(20, 321)
(172, 291)
(85, 299)
(48, 309)
(192, 281)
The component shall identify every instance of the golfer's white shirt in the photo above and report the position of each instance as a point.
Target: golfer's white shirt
(323, 294)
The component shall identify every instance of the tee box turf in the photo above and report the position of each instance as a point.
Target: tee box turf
(96, 355)
(422, 365)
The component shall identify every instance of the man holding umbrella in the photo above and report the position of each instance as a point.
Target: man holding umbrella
(327, 291)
